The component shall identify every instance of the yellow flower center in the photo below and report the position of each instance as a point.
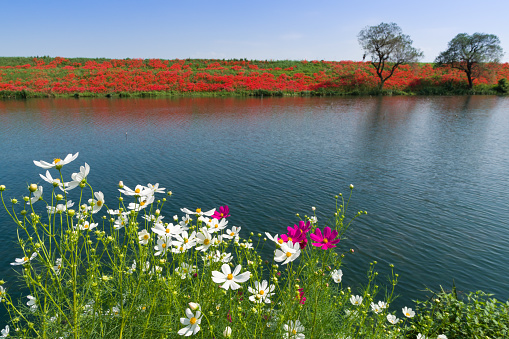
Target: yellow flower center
(294, 332)
(216, 225)
(181, 248)
(192, 320)
(221, 214)
(167, 230)
(288, 254)
(290, 239)
(163, 245)
(186, 241)
(407, 314)
(230, 276)
(206, 242)
(145, 236)
(56, 160)
(262, 292)
(25, 259)
(232, 234)
(137, 190)
(142, 203)
(86, 226)
(198, 210)
(99, 203)
(280, 241)
(325, 240)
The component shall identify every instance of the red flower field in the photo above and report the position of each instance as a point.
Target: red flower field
(60, 76)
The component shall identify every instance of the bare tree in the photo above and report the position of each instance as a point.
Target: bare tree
(469, 53)
(388, 48)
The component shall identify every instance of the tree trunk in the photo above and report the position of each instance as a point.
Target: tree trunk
(470, 82)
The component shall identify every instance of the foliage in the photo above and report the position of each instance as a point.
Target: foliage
(388, 48)
(469, 53)
(502, 86)
(474, 316)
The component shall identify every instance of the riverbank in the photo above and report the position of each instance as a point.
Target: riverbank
(84, 77)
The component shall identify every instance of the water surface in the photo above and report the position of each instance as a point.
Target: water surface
(432, 172)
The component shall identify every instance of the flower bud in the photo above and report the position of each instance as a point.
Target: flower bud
(351, 186)
(82, 185)
(59, 197)
(194, 306)
(313, 208)
(32, 188)
(71, 212)
(14, 201)
(27, 199)
(120, 184)
(169, 193)
(227, 333)
(2, 188)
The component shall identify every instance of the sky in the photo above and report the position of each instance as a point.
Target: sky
(263, 30)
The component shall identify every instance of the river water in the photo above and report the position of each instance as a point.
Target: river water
(432, 172)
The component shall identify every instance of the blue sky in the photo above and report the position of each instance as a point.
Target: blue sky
(295, 30)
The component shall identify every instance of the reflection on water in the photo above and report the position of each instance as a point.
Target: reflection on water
(432, 172)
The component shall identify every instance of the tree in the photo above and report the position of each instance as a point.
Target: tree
(388, 48)
(469, 53)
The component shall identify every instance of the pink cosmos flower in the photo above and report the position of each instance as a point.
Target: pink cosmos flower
(222, 213)
(326, 240)
(301, 297)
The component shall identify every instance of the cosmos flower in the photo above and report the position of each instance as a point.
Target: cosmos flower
(230, 279)
(325, 241)
(57, 162)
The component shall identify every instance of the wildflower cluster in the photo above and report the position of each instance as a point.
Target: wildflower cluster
(93, 268)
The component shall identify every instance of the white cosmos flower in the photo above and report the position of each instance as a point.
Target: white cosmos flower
(167, 230)
(24, 260)
(392, 319)
(32, 302)
(216, 225)
(204, 239)
(230, 279)
(408, 312)
(60, 207)
(143, 236)
(98, 201)
(121, 221)
(223, 257)
(144, 202)
(86, 226)
(57, 162)
(293, 330)
(313, 219)
(77, 178)
(184, 241)
(139, 191)
(337, 275)
(442, 336)
(261, 292)
(356, 300)
(198, 212)
(382, 304)
(288, 252)
(5, 332)
(421, 336)
(232, 233)
(163, 244)
(192, 323)
(376, 308)
(276, 239)
(37, 195)
(155, 188)
(55, 182)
